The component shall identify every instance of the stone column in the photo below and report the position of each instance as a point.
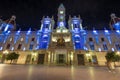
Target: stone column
(67, 57)
(46, 58)
(75, 58)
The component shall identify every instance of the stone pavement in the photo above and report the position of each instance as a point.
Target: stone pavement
(38, 72)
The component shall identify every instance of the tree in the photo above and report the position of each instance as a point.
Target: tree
(110, 56)
(12, 56)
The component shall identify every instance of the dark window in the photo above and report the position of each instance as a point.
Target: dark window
(31, 47)
(19, 46)
(90, 39)
(76, 26)
(102, 39)
(8, 46)
(92, 47)
(117, 46)
(105, 47)
(47, 26)
(33, 39)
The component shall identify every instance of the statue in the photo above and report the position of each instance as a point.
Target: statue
(60, 41)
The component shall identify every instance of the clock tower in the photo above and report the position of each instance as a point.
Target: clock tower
(61, 16)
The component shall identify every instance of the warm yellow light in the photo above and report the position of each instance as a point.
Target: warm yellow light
(87, 55)
(118, 53)
(5, 52)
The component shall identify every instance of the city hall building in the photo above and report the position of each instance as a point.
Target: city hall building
(61, 44)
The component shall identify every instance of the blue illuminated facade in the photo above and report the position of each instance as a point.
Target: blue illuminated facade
(45, 33)
(61, 41)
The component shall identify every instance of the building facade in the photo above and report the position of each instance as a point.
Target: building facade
(59, 45)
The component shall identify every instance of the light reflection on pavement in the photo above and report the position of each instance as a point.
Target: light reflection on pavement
(39, 72)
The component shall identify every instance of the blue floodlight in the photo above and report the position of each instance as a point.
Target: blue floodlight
(106, 31)
(85, 48)
(118, 31)
(24, 49)
(12, 48)
(8, 32)
(1, 48)
(29, 31)
(99, 49)
(95, 32)
(113, 49)
(18, 32)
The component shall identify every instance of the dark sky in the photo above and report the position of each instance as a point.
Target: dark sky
(95, 13)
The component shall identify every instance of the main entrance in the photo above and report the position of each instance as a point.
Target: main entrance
(80, 58)
(41, 58)
(61, 58)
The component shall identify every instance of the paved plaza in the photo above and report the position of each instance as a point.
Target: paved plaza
(39, 72)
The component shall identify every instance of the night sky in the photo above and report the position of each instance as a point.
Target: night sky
(94, 13)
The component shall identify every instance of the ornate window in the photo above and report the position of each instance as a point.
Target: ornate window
(8, 46)
(19, 46)
(117, 46)
(105, 47)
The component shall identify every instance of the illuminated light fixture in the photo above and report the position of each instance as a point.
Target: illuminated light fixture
(99, 49)
(61, 12)
(85, 48)
(1, 48)
(12, 48)
(106, 31)
(94, 31)
(118, 31)
(18, 32)
(5, 52)
(113, 49)
(8, 32)
(24, 49)
(29, 31)
(87, 55)
(58, 31)
(11, 39)
(118, 53)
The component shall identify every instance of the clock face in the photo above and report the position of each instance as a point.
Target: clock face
(61, 23)
(61, 12)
